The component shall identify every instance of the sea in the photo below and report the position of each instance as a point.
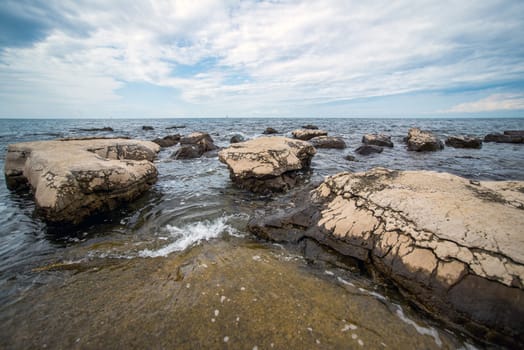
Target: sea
(177, 268)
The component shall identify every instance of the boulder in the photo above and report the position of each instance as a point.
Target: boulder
(194, 145)
(455, 246)
(236, 138)
(463, 142)
(310, 127)
(167, 141)
(187, 152)
(147, 127)
(366, 150)
(308, 134)
(382, 140)
(267, 164)
(73, 179)
(509, 136)
(328, 142)
(422, 141)
(270, 131)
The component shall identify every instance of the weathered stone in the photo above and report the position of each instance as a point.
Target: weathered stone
(200, 139)
(176, 127)
(366, 150)
(421, 141)
(167, 141)
(310, 127)
(382, 140)
(147, 127)
(463, 142)
(509, 136)
(187, 152)
(328, 142)
(236, 138)
(74, 179)
(307, 134)
(105, 128)
(270, 131)
(267, 164)
(457, 248)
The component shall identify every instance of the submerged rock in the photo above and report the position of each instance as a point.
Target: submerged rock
(307, 134)
(455, 247)
(328, 142)
(267, 164)
(350, 158)
(167, 141)
(74, 179)
(147, 127)
(105, 128)
(270, 131)
(366, 150)
(509, 136)
(382, 140)
(421, 141)
(463, 142)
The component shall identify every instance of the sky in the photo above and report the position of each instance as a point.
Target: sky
(208, 58)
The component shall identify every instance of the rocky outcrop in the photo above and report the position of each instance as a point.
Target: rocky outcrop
(194, 145)
(366, 150)
(307, 134)
(509, 136)
(328, 142)
(167, 141)
(421, 141)
(267, 164)
(463, 142)
(455, 246)
(270, 131)
(382, 140)
(73, 179)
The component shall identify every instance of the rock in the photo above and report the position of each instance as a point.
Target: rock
(147, 127)
(167, 141)
(176, 127)
(308, 134)
(267, 164)
(187, 152)
(194, 145)
(310, 127)
(270, 131)
(328, 142)
(236, 139)
(509, 136)
(456, 248)
(105, 128)
(350, 158)
(74, 179)
(421, 141)
(463, 142)
(382, 140)
(366, 150)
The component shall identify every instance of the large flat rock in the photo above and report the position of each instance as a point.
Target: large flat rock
(456, 246)
(267, 163)
(73, 179)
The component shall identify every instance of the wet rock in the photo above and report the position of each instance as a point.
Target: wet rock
(308, 134)
(328, 142)
(74, 179)
(310, 127)
(463, 142)
(175, 127)
(200, 139)
(105, 128)
(350, 158)
(456, 248)
(422, 141)
(236, 138)
(187, 152)
(366, 150)
(382, 140)
(267, 164)
(270, 131)
(509, 136)
(167, 141)
(147, 127)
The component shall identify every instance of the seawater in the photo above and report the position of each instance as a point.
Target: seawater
(194, 212)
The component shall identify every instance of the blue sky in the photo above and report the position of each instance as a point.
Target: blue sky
(99, 59)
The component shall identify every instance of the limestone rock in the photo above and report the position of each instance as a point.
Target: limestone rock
(73, 179)
(457, 248)
(509, 136)
(270, 131)
(420, 141)
(308, 134)
(366, 150)
(382, 140)
(167, 141)
(267, 164)
(463, 142)
(194, 145)
(328, 142)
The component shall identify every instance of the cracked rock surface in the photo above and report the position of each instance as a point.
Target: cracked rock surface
(455, 246)
(267, 164)
(423, 141)
(73, 179)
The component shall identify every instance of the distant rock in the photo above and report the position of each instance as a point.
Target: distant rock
(175, 127)
(74, 179)
(328, 142)
(167, 141)
(422, 141)
(350, 158)
(307, 134)
(509, 136)
(270, 131)
(236, 138)
(366, 150)
(382, 140)
(105, 128)
(267, 164)
(194, 145)
(310, 127)
(454, 246)
(463, 142)
(147, 127)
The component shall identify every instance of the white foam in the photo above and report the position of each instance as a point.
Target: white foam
(189, 235)
(421, 330)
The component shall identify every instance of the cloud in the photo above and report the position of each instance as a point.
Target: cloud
(495, 102)
(229, 57)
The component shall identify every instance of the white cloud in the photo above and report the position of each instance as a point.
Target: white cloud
(495, 102)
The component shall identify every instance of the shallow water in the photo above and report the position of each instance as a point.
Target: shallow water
(115, 268)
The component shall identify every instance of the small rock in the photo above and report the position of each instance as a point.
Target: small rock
(463, 142)
(167, 141)
(147, 127)
(366, 150)
(509, 136)
(328, 142)
(310, 127)
(105, 128)
(421, 141)
(350, 158)
(187, 152)
(194, 145)
(176, 127)
(236, 138)
(308, 134)
(377, 140)
(270, 131)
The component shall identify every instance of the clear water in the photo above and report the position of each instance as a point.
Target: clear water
(194, 203)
